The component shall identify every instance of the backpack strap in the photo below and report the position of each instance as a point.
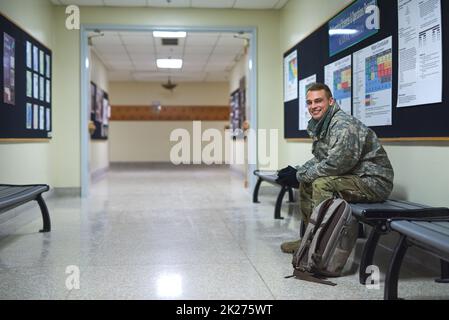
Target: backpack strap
(306, 276)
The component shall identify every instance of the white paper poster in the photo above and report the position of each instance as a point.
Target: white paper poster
(291, 77)
(338, 77)
(35, 86)
(41, 118)
(41, 88)
(47, 119)
(420, 52)
(29, 84)
(35, 58)
(304, 115)
(372, 94)
(35, 116)
(29, 119)
(29, 54)
(47, 91)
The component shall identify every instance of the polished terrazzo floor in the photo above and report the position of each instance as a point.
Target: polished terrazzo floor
(168, 232)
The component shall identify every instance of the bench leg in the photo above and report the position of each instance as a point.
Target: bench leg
(368, 253)
(291, 198)
(361, 234)
(256, 191)
(444, 272)
(392, 277)
(45, 214)
(277, 208)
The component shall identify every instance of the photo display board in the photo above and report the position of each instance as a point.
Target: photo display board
(366, 76)
(100, 112)
(26, 82)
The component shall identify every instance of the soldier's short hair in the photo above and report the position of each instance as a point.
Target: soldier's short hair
(320, 86)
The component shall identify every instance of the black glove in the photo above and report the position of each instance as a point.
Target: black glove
(286, 171)
(287, 177)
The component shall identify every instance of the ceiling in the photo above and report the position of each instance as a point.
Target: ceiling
(207, 57)
(131, 56)
(221, 4)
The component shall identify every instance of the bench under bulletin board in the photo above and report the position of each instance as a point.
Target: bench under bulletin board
(25, 80)
(399, 105)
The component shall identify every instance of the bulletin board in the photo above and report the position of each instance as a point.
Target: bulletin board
(419, 122)
(100, 112)
(26, 84)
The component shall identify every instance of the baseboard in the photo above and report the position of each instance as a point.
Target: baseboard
(67, 192)
(160, 165)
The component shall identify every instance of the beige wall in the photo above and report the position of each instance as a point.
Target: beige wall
(421, 173)
(67, 48)
(23, 163)
(185, 94)
(149, 141)
(98, 149)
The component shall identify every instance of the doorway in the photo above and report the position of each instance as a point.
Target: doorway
(251, 102)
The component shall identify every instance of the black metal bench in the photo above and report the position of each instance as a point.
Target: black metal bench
(12, 196)
(270, 177)
(380, 215)
(431, 236)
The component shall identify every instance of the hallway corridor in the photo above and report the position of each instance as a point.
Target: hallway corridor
(165, 232)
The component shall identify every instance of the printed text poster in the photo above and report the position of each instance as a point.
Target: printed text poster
(372, 93)
(420, 52)
(338, 77)
(304, 115)
(291, 77)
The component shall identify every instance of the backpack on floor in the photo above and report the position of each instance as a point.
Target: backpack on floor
(327, 243)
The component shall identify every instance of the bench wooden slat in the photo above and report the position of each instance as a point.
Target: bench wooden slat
(19, 194)
(12, 196)
(421, 232)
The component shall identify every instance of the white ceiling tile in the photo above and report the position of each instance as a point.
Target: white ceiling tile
(225, 50)
(137, 40)
(225, 4)
(139, 55)
(172, 4)
(212, 4)
(201, 40)
(122, 67)
(127, 3)
(142, 56)
(195, 50)
(140, 49)
(259, 4)
(230, 41)
(83, 2)
(196, 57)
(106, 39)
(111, 50)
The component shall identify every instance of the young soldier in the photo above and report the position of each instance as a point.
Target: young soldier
(348, 161)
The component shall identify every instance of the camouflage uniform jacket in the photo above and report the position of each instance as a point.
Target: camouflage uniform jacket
(345, 146)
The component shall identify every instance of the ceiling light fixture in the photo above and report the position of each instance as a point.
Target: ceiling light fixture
(169, 63)
(169, 34)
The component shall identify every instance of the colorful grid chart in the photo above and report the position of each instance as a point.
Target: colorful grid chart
(293, 71)
(379, 72)
(342, 83)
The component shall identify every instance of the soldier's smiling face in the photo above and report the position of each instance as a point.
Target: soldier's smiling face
(318, 103)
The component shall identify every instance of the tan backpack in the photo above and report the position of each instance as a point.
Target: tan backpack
(327, 243)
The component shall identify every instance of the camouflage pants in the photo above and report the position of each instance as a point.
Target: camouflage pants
(349, 188)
